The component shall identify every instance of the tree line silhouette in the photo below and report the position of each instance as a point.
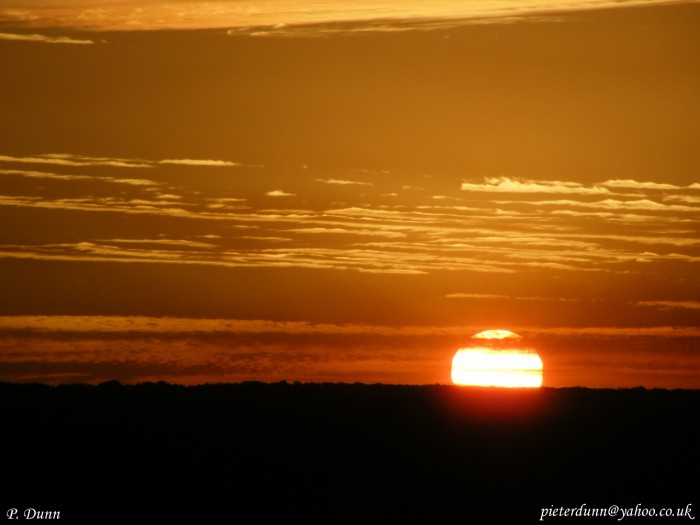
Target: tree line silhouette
(335, 453)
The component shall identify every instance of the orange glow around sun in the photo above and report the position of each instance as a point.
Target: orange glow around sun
(497, 358)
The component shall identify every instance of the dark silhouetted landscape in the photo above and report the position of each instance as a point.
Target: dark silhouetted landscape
(330, 453)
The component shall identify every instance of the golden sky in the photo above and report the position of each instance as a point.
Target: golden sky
(279, 16)
(347, 191)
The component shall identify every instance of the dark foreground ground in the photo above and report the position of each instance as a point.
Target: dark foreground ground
(329, 453)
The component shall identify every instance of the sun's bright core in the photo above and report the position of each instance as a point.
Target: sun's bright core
(497, 358)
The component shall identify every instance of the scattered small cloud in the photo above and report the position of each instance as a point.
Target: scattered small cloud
(169, 196)
(279, 193)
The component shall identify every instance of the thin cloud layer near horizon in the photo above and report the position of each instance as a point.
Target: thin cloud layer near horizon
(200, 206)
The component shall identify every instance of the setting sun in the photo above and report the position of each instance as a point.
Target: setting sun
(497, 358)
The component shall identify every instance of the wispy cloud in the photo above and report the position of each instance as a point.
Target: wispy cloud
(518, 185)
(629, 183)
(201, 162)
(70, 177)
(344, 231)
(418, 242)
(61, 159)
(615, 204)
(266, 238)
(341, 258)
(222, 204)
(488, 296)
(46, 39)
(279, 193)
(134, 182)
(513, 185)
(65, 159)
(671, 305)
(504, 232)
(462, 295)
(46, 175)
(178, 243)
(688, 199)
(341, 182)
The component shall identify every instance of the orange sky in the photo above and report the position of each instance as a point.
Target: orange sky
(350, 200)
